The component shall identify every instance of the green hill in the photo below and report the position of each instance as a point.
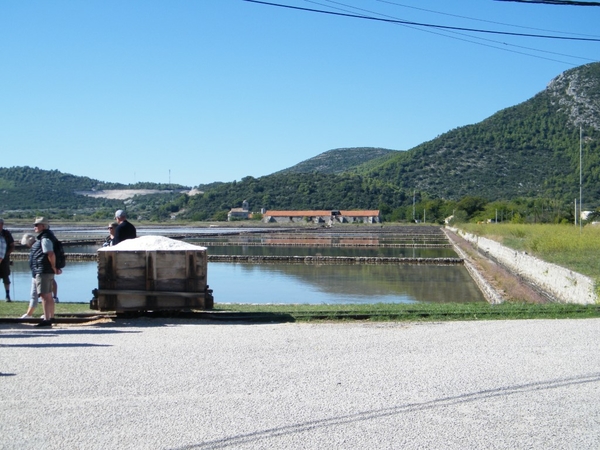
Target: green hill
(27, 188)
(529, 150)
(341, 160)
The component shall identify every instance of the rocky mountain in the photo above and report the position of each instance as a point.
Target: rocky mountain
(577, 94)
(528, 150)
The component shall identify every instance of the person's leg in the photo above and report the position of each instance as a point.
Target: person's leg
(48, 304)
(33, 301)
(5, 273)
(43, 284)
(55, 291)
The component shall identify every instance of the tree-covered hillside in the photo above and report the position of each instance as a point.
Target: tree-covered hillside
(341, 160)
(529, 150)
(27, 188)
(294, 191)
(525, 158)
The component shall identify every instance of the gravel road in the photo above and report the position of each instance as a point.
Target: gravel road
(183, 384)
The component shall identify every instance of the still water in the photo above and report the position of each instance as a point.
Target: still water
(293, 283)
(255, 250)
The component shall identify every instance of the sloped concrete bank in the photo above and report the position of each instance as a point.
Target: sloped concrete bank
(562, 284)
(489, 292)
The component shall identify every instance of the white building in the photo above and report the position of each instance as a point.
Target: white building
(242, 213)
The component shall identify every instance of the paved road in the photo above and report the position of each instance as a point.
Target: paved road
(180, 384)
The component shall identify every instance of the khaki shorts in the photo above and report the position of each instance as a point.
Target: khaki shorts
(43, 283)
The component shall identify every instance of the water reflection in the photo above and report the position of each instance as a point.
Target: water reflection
(294, 283)
(75, 284)
(333, 284)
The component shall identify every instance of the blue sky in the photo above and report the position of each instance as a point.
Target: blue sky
(215, 90)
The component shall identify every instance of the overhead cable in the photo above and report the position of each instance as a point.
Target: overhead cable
(428, 25)
(555, 2)
(465, 37)
(395, 3)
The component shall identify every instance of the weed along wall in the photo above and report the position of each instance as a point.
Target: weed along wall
(562, 284)
(152, 273)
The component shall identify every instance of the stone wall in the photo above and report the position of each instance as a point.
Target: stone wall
(562, 284)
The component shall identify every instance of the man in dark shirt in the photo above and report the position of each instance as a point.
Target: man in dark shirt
(7, 245)
(125, 230)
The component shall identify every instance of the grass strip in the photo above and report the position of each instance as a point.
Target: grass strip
(381, 312)
(422, 311)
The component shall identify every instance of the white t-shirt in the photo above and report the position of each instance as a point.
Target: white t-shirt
(47, 245)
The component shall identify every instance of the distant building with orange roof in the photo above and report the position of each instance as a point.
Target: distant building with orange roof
(323, 216)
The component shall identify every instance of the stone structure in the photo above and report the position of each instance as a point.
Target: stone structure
(242, 213)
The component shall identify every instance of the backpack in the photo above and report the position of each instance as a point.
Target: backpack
(59, 252)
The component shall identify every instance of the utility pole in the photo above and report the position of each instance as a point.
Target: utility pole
(414, 191)
(580, 175)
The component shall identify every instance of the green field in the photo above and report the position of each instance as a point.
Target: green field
(566, 245)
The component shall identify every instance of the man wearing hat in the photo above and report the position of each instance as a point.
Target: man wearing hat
(7, 245)
(43, 267)
(125, 230)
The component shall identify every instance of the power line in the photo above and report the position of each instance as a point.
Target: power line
(475, 19)
(468, 38)
(555, 2)
(419, 24)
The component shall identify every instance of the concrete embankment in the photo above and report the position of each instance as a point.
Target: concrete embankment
(334, 260)
(562, 284)
(19, 256)
(489, 292)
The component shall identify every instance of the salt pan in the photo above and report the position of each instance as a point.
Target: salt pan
(145, 243)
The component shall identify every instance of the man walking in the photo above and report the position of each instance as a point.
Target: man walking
(7, 245)
(43, 266)
(125, 230)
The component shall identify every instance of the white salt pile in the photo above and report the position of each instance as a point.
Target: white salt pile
(146, 243)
